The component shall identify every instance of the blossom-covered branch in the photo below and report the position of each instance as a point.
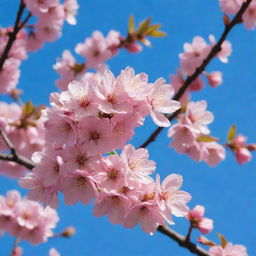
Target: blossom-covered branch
(190, 79)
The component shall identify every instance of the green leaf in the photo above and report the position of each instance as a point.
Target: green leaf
(144, 26)
(28, 110)
(206, 138)
(112, 153)
(131, 25)
(232, 132)
(223, 240)
(157, 33)
(152, 28)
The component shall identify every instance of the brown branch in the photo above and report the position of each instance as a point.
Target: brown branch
(14, 156)
(182, 241)
(14, 33)
(217, 48)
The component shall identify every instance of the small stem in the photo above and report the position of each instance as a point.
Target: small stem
(15, 244)
(8, 142)
(189, 232)
(14, 156)
(14, 33)
(181, 240)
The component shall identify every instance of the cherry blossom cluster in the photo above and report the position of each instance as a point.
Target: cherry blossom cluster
(25, 129)
(233, 6)
(26, 219)
(51, 16)
(95, 117)
(241, 150)
(229, 249)
(121, 186)
(10, 72)
(97, 49)
(197, 220)
(193, 56)
(191, 135)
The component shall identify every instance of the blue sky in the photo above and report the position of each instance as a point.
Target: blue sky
(227, 191)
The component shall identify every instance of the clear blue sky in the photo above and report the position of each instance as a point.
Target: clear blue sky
(227, 191)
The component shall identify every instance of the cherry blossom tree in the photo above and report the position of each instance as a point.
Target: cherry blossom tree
(79, 146)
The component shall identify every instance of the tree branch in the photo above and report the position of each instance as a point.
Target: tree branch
(14, 156)
(13, 34)
(217, 48)
(182, 241)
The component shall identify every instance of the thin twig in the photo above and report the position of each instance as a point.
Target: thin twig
(14, 33)
(217, 48)
(181, 240)
(14, 156)
(188, 236)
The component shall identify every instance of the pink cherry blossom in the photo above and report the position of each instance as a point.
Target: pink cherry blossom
(174, 199)
(160, 102)
(147, 214)
(182, 137)
(226, 49)
(95, 134)
(38, 7)
(9, 75)
(94, 49)
(230, 249)
(197, 116)
(137, 163)
(25, 219)
(243, 155)
(215, 153)
(70, 8)
(62, 128)
(214, 78)
(112, 176)
(249, 17)
(53, 252)
(112, 95)
(197, 219)
(78, 186)
(239, 140)
(197, 84)
(231, 6)
(33, 42)
(136, 86)
(111, 203)
(194, 54)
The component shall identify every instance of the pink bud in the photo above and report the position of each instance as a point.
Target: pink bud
(205, 241)
(196, 214)
(215, 79)
(239, 140)
(205, 225)
(134, 48)
(17, 251)
(197, 85)
(243, 155)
